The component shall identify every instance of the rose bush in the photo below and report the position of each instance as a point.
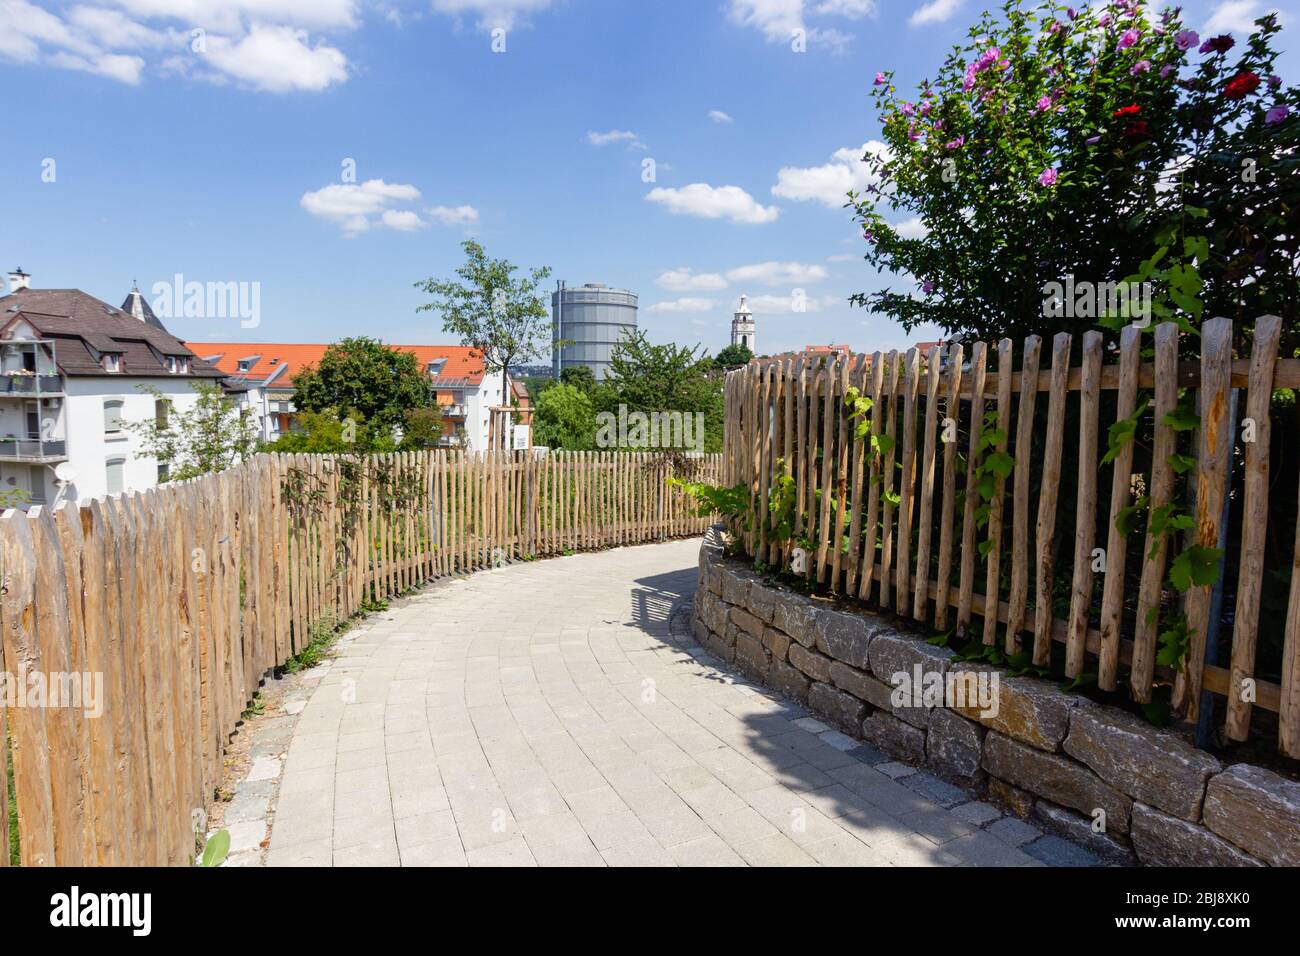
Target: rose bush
(1102, 144)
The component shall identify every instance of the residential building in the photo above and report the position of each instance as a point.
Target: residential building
(262, 375)
(73, 370)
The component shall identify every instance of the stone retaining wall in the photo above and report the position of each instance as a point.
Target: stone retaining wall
(1056, 758)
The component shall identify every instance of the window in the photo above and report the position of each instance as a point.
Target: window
(112, 362)
(113, 418)
(32, 413)
(163, 471)
(114, 470)
(160, 409)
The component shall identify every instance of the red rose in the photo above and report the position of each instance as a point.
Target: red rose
(1131, 110)
(1241, 85)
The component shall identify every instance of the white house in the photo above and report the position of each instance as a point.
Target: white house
(72, 369)
(262, 375)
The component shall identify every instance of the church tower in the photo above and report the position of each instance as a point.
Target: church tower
(742, 326)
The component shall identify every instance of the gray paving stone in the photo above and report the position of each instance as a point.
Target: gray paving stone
(1054, 851)
(501, 719)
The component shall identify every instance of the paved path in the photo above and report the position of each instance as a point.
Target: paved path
(548, 713)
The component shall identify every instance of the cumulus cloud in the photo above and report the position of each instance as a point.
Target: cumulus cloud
(493, 14)
(828, 184)
(713, 202)
(455, 215)
(780, 20)
(687, 304)
(278, 60)
(1235, 16)
(359, 207)
(912, 228)
(720, 117)
(258, 44)
(688, 280)
(936, 11)
(786, 304)
(777, 273)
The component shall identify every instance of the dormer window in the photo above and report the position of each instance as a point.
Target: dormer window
(436, 366)
(177, 364)
(112, 362)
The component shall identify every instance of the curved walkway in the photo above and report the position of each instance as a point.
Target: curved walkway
(553, 713)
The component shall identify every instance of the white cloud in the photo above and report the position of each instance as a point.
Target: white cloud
(403, 220)
(842, 257)
(115, 30)
(720, 117)
(687, 280)
(683, 305)
(1235, 16)
(614, 136)
(505, 14)
(125, 69)
(230, 16)
(829, 184)
(262, 44)
(713, 202)
(849, 9)
(785, 304)
(780, 20)
(777, 273)
(278, 60)
(359, 207)
(912, 228)
(455, 215)
(936, 11)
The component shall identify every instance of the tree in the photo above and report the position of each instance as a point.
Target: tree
(1060, 146)
(663, 378)
(733, 356)
(216, 433)
(362, 375)
(563, 417)
(499, 315)
(328, 432)
(580, 377)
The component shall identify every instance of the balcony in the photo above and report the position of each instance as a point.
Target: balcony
(19, 385)
(33, 450)
(452, 411)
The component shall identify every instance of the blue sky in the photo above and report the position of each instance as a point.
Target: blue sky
(227, 163)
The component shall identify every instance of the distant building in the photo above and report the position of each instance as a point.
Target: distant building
(73, 370)
(827, 350)
(742, 326)
(262, 373)
(591, 319)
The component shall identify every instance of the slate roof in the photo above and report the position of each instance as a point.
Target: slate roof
(83, 328)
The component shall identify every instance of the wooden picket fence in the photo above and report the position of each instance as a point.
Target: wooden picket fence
(185, 596)
(865, 517)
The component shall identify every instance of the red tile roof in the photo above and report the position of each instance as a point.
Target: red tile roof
(277, 363)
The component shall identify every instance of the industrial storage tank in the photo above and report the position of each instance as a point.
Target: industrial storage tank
(593, 319)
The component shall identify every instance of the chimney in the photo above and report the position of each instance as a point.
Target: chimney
(19, 280)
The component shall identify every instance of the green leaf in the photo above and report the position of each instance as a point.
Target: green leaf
(1195, 567)
(214, 854)
(1000, 463)
(1181, 464)
(1126, 520)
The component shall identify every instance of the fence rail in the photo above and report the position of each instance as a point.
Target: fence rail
(184, 596)
(958, 469)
